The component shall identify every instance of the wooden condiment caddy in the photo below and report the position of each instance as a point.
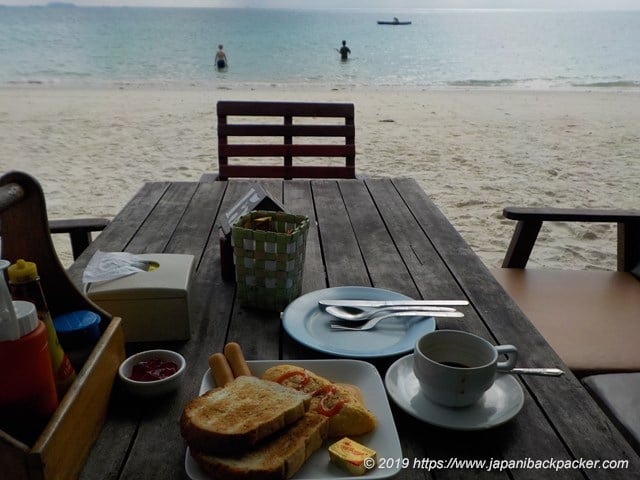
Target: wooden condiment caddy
(64, 444)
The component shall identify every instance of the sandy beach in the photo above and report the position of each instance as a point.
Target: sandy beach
(473, 151)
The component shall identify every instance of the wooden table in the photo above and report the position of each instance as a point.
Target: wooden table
(384, 233)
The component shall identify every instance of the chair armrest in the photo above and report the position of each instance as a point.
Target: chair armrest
(530, 221)
(79, 229)
(571, 215)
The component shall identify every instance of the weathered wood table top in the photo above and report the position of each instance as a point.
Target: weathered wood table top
(383, 233)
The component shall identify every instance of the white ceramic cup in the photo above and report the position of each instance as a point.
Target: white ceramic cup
(455, 368)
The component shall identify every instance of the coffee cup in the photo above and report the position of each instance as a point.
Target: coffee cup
(454, 368)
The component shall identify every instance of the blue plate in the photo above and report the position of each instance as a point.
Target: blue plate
(307, 323)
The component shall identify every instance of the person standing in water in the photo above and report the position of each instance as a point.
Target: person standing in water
(344, 51)
(221, 58)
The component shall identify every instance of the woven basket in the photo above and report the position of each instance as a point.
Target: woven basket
(269, 264)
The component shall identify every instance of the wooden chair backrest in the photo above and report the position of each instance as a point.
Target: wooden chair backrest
(288, 130)
(24, 230)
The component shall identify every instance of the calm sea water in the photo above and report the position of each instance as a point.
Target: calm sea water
(442, 48)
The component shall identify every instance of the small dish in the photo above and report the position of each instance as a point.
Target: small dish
(153, 387)
(498, 405)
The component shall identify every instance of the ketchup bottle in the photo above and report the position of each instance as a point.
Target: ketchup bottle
(28, 395)
(24, 284)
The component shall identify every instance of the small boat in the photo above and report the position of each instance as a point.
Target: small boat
(395, 21)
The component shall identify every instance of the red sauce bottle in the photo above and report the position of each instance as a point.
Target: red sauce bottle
(28, 395)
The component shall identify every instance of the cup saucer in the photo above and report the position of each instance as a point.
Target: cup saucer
(498, 405)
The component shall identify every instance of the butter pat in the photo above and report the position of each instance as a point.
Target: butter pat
(352, 456)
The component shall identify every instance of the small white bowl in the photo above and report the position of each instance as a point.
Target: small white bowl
(154, 387)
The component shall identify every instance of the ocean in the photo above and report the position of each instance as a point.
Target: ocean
(174, 47)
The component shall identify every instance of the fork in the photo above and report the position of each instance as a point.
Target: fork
(371, 323)
(343, 313)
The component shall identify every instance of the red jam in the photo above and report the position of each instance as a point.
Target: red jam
(152, 369)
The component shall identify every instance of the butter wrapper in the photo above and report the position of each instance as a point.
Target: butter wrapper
(352, 456)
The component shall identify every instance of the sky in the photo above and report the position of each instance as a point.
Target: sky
(395, 4)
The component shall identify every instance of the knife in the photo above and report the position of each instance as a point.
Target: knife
(389, 303)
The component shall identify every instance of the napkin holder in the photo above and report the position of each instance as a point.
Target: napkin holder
(153, 305)
(256, 198)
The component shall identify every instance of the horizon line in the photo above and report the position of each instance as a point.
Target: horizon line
(71, 5)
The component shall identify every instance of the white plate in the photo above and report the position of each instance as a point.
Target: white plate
(384, 439)
(307, 323)
(498, 405)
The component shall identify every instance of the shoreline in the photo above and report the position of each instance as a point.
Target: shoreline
(473, 150)
(621, 87)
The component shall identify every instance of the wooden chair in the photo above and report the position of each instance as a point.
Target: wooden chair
(79, 231)
(591, 318)
(288, 130)
(24, 230)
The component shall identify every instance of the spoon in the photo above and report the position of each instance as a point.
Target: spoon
(347, 313)
(547, 372)
(369, 324)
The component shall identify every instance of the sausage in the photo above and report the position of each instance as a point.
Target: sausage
(235, 357)
(220, 369)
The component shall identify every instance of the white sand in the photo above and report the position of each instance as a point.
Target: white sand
(473, 152)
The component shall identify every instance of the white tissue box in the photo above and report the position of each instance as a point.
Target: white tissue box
(153, 305)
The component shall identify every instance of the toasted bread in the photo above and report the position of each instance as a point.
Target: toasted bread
(278, 457)
(348, 415)
(236, 417)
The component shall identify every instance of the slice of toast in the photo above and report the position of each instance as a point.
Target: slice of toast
(236, 417)
(278, 457)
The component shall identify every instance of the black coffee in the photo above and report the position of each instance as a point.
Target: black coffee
(454, 364)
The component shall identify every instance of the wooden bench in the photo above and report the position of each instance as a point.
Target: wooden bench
(331, 121)
(590, 317)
